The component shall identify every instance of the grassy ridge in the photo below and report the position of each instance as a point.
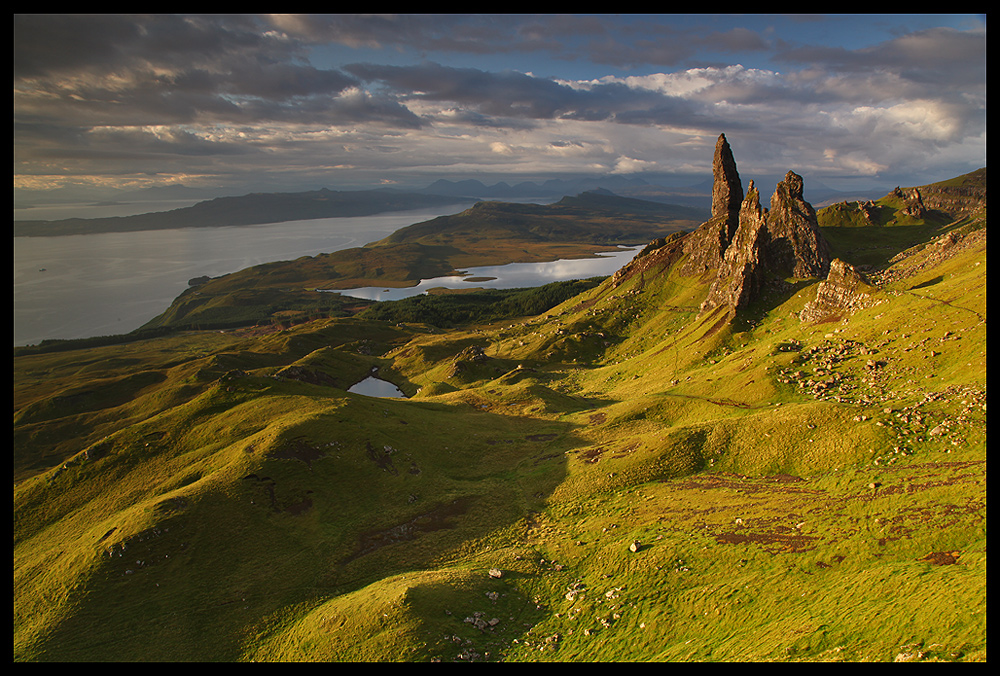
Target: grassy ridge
(793, 491)
(490, 233)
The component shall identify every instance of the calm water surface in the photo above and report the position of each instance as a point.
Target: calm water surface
(79, 286)
(376, 387)
(510, 276)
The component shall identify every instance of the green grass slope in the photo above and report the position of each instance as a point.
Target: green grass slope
(615, 479)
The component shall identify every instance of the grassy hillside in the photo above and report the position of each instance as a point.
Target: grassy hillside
(612, 480)
(490, 233)
(591, 217)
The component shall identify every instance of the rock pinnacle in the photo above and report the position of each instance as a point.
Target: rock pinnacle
(727, 190)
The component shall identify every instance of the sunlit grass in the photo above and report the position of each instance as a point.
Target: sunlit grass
(221, 496)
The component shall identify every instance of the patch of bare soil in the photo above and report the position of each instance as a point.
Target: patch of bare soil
(437, 519)
(298, 449)
(772, 542)
(941, 558)
(784, 513)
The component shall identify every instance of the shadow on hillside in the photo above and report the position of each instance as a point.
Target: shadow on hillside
(929, 282)
(447, 473)
(873, 248)
(342, 499)
(776, 292)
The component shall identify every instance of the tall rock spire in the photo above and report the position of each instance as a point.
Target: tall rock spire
(707, 244)
(727, 190)
(738, 279)
(795, 246)
(783, 241)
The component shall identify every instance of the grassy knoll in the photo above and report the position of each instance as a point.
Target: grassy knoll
(614, 479)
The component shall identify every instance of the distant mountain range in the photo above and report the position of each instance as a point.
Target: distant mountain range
(550, 188)
(696, 195)
(252, 209)
(273, 207)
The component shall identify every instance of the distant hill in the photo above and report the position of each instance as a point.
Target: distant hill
(549, 188)
(252, 209)
(489, 233)
(595, 216)
(698, 195)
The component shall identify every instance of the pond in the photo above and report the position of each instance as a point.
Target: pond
(376, 387)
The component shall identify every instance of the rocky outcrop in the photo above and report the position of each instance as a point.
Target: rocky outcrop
(706, 246)
(739, 276)
(783, 241)
(743, 243)
(842, 291)
(795, 246)
(659, 254)
(961, 197)
(913, 202)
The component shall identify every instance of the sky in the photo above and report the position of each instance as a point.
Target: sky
(297, 102)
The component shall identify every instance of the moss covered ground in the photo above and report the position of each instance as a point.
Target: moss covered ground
(615, 479)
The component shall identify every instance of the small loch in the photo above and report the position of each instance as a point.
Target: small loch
(376, 387)
(509, 276)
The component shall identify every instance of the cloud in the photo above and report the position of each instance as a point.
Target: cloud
(513, 95)
(738, 39)
(443, 33)
(392, 96)
(942, 57)
(630, 165)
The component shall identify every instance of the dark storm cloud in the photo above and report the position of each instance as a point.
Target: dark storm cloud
(46, 44)
(516, 95)
(62, 44)
(143, 70)
(455, 33)
(939, 56)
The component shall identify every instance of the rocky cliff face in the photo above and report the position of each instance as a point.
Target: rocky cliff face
(739, 276)
(783, 241)
(957, 201)
(795, 246)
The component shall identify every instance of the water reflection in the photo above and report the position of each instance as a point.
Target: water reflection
(376, 387)
(510, 276)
